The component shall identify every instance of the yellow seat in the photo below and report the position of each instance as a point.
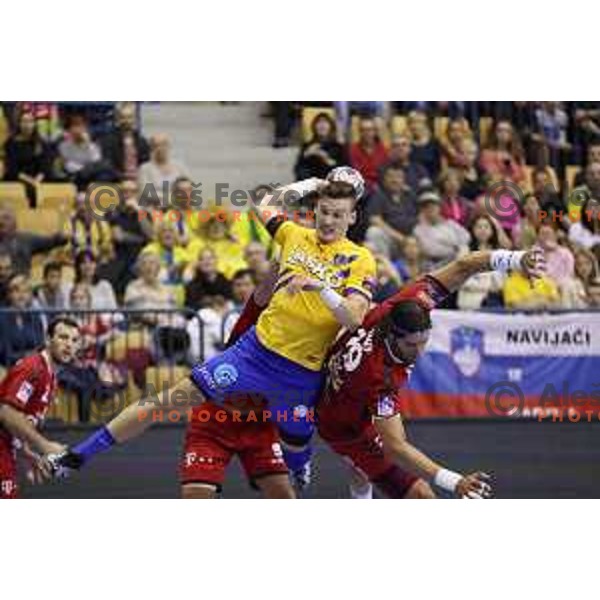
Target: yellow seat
(13, 193)
(485, 129)
(65, 407)
(57, 196)
(42, 221)
(164, 377)
(527, 184)
(136, 339)
(440, 127)
(571, 173)
(308, 116)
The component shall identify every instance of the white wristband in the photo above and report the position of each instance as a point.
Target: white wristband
(331, 298)
(506, 260)
(447, 480)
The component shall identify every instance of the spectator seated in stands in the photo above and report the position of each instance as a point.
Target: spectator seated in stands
(125, 148)
(593, 156)
(560, 264)
(87, 233)
(589, 189)
(529, 223)
(586, 231)
(520, 293)
(255, 255)
(368, 155)
(400, 156)
(483, 289)
(388, 277)
(6, 272)
(207, 282)
(543, 188)
(131, 230)
(81, 157)
(22, 245)
(575, 291)
(550, 135)
(216, 233)
(392, 212)
(503, 158)
(86, 273)
(454, 206)
(172, 255)
(441, 240)
(593, 293)
(473, 178)
(425, 149)
(53, 293)
(248, 229)
(410, 263)
(23, 329)
(587, 118)
(158, 175)
(323, 152)
(453, 146)
(90, 377)
(28, 158)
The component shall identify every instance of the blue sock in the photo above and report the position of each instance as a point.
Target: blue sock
(296, 460)
(100, 441)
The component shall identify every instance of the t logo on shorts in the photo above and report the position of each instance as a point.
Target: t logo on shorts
(225, 375)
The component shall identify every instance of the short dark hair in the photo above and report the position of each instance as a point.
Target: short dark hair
(408, 316)
(50, 267)
(68, 321)
(243, 273)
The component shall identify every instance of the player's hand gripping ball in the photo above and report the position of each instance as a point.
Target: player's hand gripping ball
(351, 176)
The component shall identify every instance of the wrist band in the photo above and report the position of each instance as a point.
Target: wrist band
(447, 480)
(506, 260)
(331, 298)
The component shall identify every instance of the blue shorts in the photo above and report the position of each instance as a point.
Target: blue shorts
(247, 367)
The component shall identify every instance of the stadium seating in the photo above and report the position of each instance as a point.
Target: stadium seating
(485, 129)
(399, 125)
(158, 377)
(43, 221)
(65, 407)
(13, 193)
(571, 173)
(57, 196)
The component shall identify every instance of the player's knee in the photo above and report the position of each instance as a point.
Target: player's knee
(198, 492)
(420, 490)
(276, 488)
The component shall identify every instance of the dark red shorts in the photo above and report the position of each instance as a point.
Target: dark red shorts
(8, 470)
(210, 445)
(365, 452)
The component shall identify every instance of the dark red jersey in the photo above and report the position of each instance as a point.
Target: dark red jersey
(364, 380)
(29, 387)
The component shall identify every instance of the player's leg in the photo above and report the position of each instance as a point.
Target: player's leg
(262, 458)
(204, 458)
(396, 483)
(420, 490)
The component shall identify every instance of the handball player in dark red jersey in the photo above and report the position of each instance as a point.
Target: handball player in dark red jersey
(26, 394)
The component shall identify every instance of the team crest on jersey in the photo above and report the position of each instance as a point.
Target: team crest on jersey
(466, 349)
(225, 375)
(25, 392)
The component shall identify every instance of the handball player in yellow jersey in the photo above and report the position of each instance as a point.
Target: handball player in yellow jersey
(325, 284)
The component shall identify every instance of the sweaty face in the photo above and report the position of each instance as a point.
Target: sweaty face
(333, 218)
(65, 343)
(409, 347)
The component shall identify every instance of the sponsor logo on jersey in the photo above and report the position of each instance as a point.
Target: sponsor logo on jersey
(25, 392)
(225, 375)
(386, 407)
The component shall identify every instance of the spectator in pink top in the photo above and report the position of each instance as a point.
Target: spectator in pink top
(503, 158)
(453, 205)
(560, 263)
(368, 155)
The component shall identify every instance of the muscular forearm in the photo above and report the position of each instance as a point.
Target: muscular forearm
(19, 426)
(411, 459)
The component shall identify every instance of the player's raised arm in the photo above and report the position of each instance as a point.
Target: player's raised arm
(411, 459)
(454, 275)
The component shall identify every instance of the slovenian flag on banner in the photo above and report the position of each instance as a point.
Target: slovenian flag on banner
(485, 364)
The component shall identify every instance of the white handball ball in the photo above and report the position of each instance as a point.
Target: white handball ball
(351, 176)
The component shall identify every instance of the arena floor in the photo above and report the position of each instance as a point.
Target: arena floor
(528, 459)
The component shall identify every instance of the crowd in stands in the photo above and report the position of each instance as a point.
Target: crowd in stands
(178, 283)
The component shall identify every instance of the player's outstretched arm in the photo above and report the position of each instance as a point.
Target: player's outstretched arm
(454, 275)
(411, 459)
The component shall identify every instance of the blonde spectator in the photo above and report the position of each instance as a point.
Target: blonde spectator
(576, 291)
(147, 292)
(207, 282)
(473, 177)
(503, 158)
(453, 146)
(160, 171)
(520, 293)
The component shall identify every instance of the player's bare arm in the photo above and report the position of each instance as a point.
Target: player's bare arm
(406, 456)
(21, 427)
(454, 275)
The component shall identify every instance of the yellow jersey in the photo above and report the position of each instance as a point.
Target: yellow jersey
(300, 327)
